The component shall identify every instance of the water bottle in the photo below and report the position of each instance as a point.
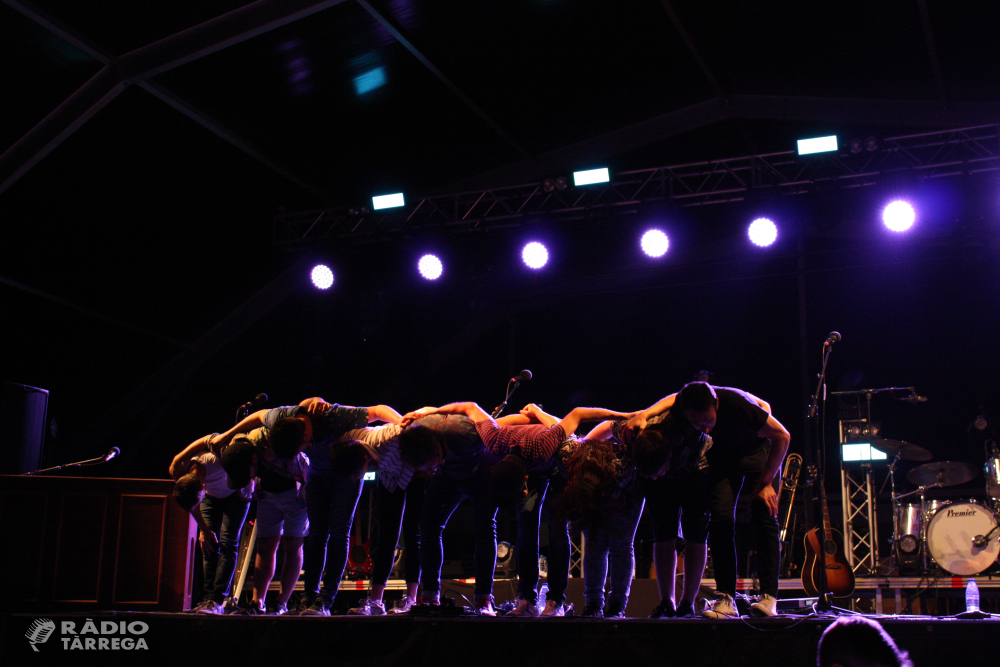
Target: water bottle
(543, 592)
(972, 596)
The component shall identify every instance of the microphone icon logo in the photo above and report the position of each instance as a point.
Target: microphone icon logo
(39, 632)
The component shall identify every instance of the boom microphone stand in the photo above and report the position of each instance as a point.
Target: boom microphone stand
(823, 604)
(512, 386)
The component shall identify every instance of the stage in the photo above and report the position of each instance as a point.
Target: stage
(408, 640)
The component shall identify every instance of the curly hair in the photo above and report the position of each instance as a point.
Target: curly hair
(592, 471)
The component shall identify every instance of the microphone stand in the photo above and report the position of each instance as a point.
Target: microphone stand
(510, 392)
(79, 464)
(823, 604)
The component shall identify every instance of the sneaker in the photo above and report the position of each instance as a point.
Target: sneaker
(402, 605)
(277, 609)
(593, 610)
(684, 609)
(484, 606)
(317, 608)
(252, 609)
(368, 607)
(664, 610)
(299, 607)
(765, 606)
(614, 610)
(524, 609)
(723, 607)
(208, 607)
(552, 609)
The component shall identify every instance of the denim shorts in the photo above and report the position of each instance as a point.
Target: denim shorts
(282, 514)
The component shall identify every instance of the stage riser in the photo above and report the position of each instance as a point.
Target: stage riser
(424, 641)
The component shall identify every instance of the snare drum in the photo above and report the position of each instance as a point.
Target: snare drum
(949, 537)
(992, 472)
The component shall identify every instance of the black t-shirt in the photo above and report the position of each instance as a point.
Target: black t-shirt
(738, 420)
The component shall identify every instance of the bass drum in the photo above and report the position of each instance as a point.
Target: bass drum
(950, 533)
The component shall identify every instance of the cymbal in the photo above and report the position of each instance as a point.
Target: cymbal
(906, 451)
(947, 473)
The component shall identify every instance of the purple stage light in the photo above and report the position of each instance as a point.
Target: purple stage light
(655, 243)
(535, 255)
(762, 232)
(430, 267)
(322, 276)
(898, 216)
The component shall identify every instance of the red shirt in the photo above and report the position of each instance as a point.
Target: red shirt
(537, 443)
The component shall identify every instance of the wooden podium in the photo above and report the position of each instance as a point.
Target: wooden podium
(90, 543)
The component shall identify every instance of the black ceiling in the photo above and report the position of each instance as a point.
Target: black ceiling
(138, 218)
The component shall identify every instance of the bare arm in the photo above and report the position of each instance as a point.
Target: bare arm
(778, 435)
(515, 420)
(179, 465)
(469, 409)
(761, 402)
(249, 423)
(600, 432)
(537, 415)
(383, 413)
(577, 416)
(638, 421)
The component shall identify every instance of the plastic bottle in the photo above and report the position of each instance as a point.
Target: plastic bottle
(972, 596)
(544, 591)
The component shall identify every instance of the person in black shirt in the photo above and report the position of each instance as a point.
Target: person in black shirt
(749, 445)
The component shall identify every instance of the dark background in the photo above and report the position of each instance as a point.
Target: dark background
(143, 230)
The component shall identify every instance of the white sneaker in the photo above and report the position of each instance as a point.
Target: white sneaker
(722, 608)
(765, 606)
(368, 607)
(484, 606)
(402, 605)
(524, 609)
(553, 609)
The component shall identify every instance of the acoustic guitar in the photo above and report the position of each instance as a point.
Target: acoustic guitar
(830, 555)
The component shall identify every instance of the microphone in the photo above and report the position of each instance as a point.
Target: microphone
(913, 398)
(260, 398)
(523, 376)
(834, 337)
(112, 453)
(980, 541)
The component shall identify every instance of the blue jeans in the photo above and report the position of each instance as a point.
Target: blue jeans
(444, 494)
(330, 502)
(614, 541)
(550, 483)
(224, 517)
(725, 484)
(399, 511)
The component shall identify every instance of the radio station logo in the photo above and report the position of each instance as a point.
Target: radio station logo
(91, 636)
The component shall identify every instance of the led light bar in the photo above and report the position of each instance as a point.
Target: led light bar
(591, 176)
(817, 145)
(387, 201)
(861, 451)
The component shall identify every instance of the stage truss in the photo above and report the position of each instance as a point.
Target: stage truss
(947, 153)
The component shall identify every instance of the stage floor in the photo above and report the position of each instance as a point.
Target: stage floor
(406, 640)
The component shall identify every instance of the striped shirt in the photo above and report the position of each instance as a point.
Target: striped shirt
(382, 445)
(537, 443)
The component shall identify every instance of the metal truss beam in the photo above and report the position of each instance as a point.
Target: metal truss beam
(138, 66)
(927, 155)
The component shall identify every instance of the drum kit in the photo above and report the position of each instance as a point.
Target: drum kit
(960, 537)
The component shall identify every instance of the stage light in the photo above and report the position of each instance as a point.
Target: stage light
(322, 276)
(856, 146)
(369, 81)
(655, 243)
(535, 255)
(898, 216)
(762, 232)
(591, 176)
(817, 145)
(430, 267)
(872, 144)
(548, 185)
(387, 201)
